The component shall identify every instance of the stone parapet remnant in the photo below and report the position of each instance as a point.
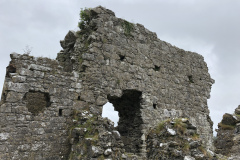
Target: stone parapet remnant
(228, 135)
(108, 60)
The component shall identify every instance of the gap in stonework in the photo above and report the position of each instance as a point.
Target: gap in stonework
(109, 112)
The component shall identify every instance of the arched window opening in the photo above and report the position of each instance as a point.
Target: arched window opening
(110, 113)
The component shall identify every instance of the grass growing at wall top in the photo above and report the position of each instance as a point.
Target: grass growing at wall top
(180, 126)
(128, 27)
(84, 18)
(226, 127)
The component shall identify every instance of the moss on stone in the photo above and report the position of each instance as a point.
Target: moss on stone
(195, 136)
(128, 27)
(225, 126)
(205, 152)
(80, 60)
(186, 147)
(101, 157)
(84, 18)
(160, 127)
(237, 115)
(91, 132)
(180, 126)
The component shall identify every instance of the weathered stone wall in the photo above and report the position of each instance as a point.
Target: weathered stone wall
(176, 140)
(114, 56)
(109, 59)
(37, 103)
(228, 135)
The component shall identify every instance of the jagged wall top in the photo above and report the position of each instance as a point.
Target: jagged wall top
(109, 59)
(112, 56)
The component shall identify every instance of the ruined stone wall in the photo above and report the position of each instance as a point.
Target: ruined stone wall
(36, 107)
(109, 59)
(117, 59)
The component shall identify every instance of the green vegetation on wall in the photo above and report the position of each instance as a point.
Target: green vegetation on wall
(84, 18)
(128, 27)
(226, 127)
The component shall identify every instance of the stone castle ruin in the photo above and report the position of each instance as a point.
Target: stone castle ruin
(51, 109)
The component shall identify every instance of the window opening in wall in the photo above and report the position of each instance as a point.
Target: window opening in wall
(130, 119)
(78, 98)
(190, 78)
(154, 106)
(60, 112)
(109, 112)
(121, 57)
(36, 101)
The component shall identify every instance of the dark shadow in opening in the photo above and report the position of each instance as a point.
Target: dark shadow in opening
(121, 57)
(10, 69)
(156, 68)
(60, 111)
(190, 78)
(155, 106)
(130, 120)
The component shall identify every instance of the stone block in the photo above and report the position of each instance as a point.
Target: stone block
(101, 101)
(24, 147)
(13, 97)
(69, 40)
(38, 131)
(5, 108)
(19, 109)
(11, 118)
(38, 74)
(18, 79)
(3, 148)
(87, 56)
(108, 152)
(17, 87)
(87, 96)
(4, 136)
(39, 68)
(237, 111)
(117, 135)
(14, 55)
(25, 72)
(36, 146)
(228, 119)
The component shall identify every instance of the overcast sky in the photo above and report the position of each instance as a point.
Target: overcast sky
(210, 28)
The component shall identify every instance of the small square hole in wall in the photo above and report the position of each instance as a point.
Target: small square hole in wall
(60, 112)
(156, 68)
(121, 57)
(190, 78)
(78, 98)
(155, 106)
